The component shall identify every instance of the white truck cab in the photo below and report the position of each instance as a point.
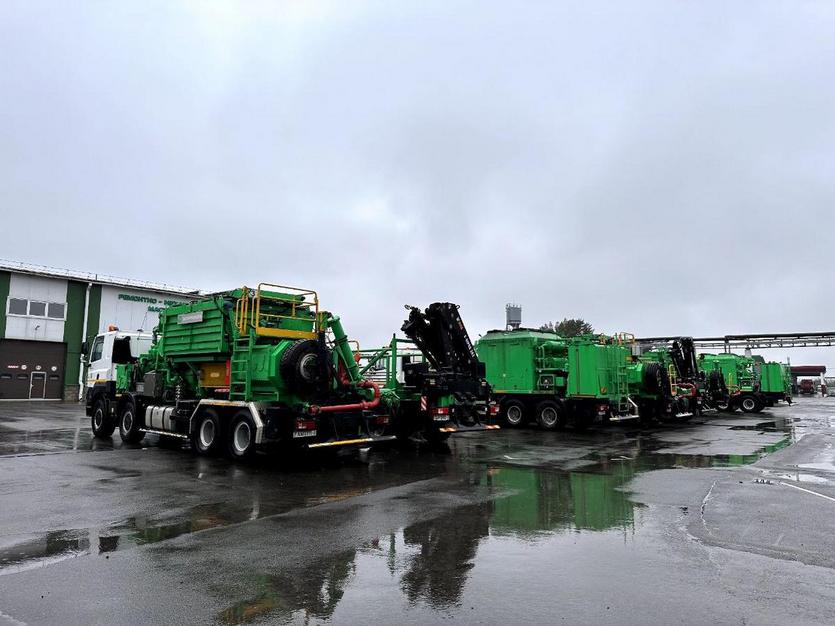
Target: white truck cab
(103, 354)
(112, 348)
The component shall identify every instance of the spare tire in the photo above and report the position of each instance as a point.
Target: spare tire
(716, 383)
(657, 380)
(304, 367)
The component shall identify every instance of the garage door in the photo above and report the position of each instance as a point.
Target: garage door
(31, 369)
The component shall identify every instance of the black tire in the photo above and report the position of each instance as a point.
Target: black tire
(304, 366)
(725, 405)
(761, 402)
(206, 434)
(549, 415)
(513, 413)
(657, 380)
(748, 403)
(240, 439)
(129, 423)
(101, 421)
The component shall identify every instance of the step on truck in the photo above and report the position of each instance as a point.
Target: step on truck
(236, 371)
(433, 384)
(539, 376)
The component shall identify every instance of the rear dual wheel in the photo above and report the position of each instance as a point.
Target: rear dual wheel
(206, 437)
(549, 415)
(241, 438)
(209, 436)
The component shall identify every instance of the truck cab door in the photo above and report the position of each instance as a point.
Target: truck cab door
(101, 360)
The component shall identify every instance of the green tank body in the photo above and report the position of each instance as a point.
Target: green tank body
(539, 375)
(249, 367)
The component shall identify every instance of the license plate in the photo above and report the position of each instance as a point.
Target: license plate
(303, 433)
(441, 418)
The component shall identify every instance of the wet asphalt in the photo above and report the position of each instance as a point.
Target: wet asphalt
(729, 519)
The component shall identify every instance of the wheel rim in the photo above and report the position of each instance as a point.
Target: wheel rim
(98, 418)
(549, 416)
(242, 437)
(207, 434)
(127, 421)
(514, 415)
(748, 404)
(308, 366)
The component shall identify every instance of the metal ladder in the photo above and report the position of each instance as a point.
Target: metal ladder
(240, 374)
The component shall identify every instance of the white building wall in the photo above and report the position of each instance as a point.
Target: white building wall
(130, 309)
(37, 289)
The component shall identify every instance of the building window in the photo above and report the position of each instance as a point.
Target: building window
(37, 309)
(55, 310)
(17, 306)
(5, 376)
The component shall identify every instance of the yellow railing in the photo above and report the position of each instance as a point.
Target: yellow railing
(242, 311)
(625, 338)
(297, 299)
(248, 311)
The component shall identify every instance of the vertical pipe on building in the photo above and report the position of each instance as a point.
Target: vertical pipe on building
(83, 338)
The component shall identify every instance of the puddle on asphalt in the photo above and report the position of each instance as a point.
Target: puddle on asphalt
(430, 562)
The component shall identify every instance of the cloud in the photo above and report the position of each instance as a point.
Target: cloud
(651, 167)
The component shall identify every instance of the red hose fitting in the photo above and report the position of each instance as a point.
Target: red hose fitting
(357, 406)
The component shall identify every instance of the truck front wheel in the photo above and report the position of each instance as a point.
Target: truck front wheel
(103, 425)
(241, 439)
(206, 436)
(749, 404)
(514, 413)
(129, 423)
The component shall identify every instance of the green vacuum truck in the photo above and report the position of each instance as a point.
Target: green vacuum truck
(433, 383)
(238, 371)
(540, 376)
(775, 382)
(741, 378)
(692, 391)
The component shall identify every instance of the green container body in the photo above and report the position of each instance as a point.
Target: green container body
(771, 378)
(208, 337)
(198, 334)
(738, 371)
(539, 362)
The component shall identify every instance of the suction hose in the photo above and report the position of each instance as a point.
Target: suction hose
(357, 406)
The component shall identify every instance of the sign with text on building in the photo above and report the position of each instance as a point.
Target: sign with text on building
(156, 305)
(131, 309)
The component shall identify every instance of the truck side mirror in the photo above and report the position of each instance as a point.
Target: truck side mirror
(85, 348)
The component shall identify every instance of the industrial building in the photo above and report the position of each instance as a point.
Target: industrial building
(47, 313)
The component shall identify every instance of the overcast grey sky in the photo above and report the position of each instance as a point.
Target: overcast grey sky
(655, 167)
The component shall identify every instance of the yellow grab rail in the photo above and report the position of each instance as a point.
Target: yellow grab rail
(297, 299)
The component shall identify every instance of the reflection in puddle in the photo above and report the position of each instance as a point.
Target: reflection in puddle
(33, 552)
(315, 591)
(431, 561)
